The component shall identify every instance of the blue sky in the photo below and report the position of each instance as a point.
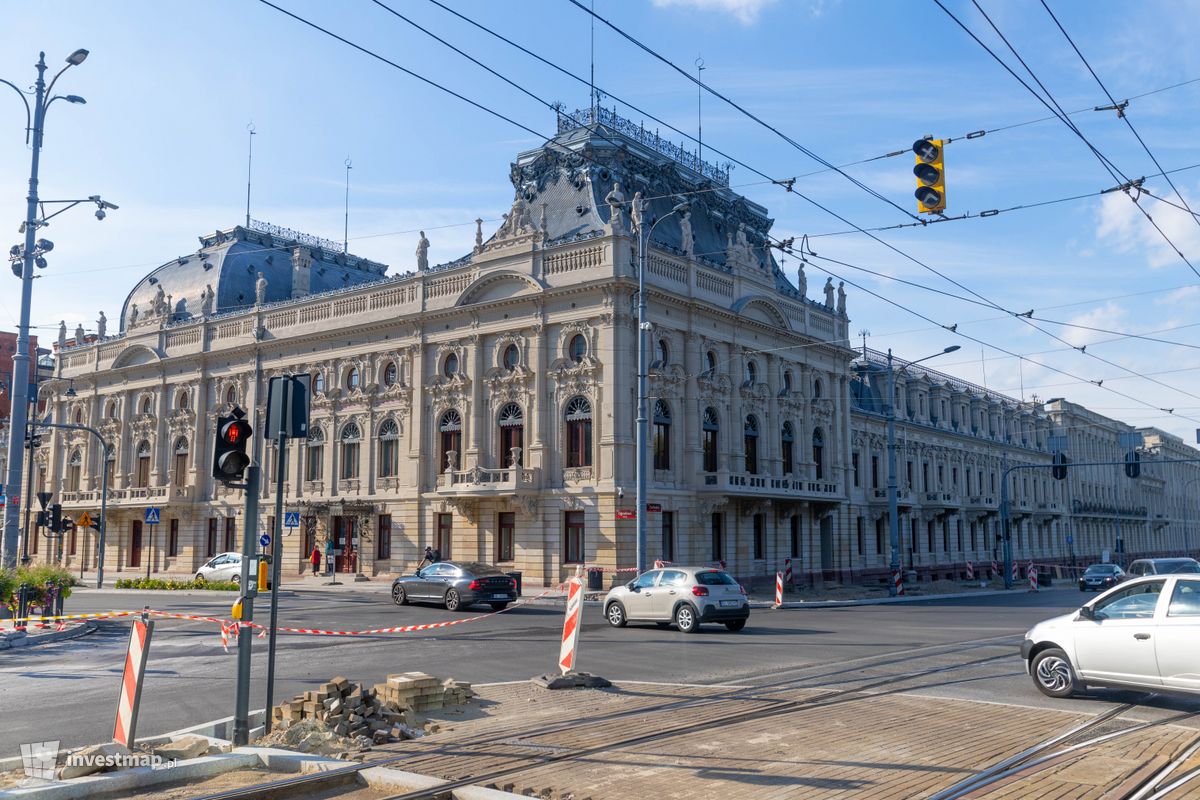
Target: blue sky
(171, 87)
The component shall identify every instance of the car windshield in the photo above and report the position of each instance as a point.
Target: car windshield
(1178, 565)
(714, 578)
(1101, 569)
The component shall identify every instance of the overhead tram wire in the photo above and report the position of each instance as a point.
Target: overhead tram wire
(1105, 162)
(430, 82)
(1121, 112)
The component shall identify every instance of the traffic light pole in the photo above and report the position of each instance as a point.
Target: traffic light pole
(103, 526)
(28, 490)
(276, 556)
(241, 713)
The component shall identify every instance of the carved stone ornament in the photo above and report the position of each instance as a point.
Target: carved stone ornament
(711, 505)
(756, 507)
(715, 387)
(463, 506)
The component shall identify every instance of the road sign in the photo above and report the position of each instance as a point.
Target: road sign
(85, 520)
(265, 540)
(152, 515)
(3, 500)
(291, 519)
(654, 508)
(43, 498)
(626, 513)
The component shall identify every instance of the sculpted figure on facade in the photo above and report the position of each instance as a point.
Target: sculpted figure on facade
(829, 292)
(616, 204)
(637, 207)
(133, 317)
(687, 241)
(745, 252)
(79, 333)
(478, 236)
(841, 298)
(206, 300)
(62, 334)
(422, 253)
(802, 281)
(101, 325)
(260, 290)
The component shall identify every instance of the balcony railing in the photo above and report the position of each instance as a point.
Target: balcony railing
(481, 481)
(745, 483)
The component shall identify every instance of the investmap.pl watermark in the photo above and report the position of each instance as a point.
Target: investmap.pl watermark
(40, 760)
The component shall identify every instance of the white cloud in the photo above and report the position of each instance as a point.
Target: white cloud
(1109, 316)
(1127, 229)
(745, 11)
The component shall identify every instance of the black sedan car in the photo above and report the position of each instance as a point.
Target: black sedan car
(456, 585)
(1099, 577)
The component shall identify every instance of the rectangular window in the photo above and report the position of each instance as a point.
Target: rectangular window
(71, 543)
(210, 543)
(349, 460)
(788, 457)
(929, 537)
(662, 445)
(796, 536)
(573, 538)
(579, 443)
(710, 451)
(861, 539)
(143, 472)
(941, 476)
(954, 477)
(925, 477)
(908, 474)
(506, 527)
(387, 458)
(752, 454)
(668, 535)
(854, 466)
(313, 457)
(173, 539)
(760, 536)
(874, 472)
(716, 523)
(383, 538)
(879, 534)
(230, 534)
(445, 535)
(181, 469)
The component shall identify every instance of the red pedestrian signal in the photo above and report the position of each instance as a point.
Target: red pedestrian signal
(229, 449)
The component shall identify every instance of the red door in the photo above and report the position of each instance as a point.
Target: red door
(135, 544)
(345, 543)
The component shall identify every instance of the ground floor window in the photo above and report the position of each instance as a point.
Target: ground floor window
(383, 538)
(506, 527)
(230, 535)
(668, 535)
(716, 524)
(573, 538)
(71, 542)
(135, 544)
(210, 544)
(879, 533)
(796, 536)
(861, 537)
(172, 539)
(760, 536)
(445, 533)
(310, 541)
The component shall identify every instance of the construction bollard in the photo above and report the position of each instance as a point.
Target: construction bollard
(778, 589)
(970, 571)
(571, 624)
(995, 569)
(131, 681)
(898, 583)
(1033, 578)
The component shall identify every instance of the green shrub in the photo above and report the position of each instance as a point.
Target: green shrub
(44, 579)
(8, 586)
(159, 583)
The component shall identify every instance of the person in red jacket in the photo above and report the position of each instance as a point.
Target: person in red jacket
(315, 558)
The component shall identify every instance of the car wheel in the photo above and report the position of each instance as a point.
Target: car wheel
(399, 596)
(453, 601)
(615, 614)
(499, 606)
(199, 578)
(236, 578)
(685, 619)
(1052, 673)
(735, 625)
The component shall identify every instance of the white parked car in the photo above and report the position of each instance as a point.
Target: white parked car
(1141, 634)
(222, 567)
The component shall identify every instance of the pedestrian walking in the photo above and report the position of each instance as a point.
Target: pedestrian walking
(315, 559)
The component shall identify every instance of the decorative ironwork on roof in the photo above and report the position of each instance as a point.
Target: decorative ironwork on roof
(718, 174)
(295, 236)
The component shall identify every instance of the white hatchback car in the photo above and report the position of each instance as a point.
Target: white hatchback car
(1143, 634)
(222, 567)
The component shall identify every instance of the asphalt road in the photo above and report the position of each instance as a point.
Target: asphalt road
(68, 690)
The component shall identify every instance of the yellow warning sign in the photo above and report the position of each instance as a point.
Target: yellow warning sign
(85, 520)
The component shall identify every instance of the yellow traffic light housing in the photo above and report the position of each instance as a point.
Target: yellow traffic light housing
(931, 176)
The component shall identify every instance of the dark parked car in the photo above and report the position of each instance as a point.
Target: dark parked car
(456, 585)
(1099, 577)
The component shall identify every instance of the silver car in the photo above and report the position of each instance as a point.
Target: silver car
(221, 567)
(686, 596)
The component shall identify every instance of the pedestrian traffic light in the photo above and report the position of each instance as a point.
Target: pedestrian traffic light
(229, 448)
(1133, 463)
(1059, 470)
(55, 517)
(931, 176)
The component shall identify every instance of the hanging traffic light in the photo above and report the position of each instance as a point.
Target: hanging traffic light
(55, 523)
(229, 448)
(1059, 470)
(1133, 464)
(931, 176)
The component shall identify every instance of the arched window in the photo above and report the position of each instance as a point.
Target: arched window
(389, 449)
(142, 475)
(818, 453)
(350, 437)
(181, 401)
(179, 475)
(146, 404)
(662, 353)
(578, 417)
(450, 429)
(710, 360)
(391, 373)
(512, 357)
(662, 435)
(511, 422)
(78, 416)
(751, 373)
(352, 379)
(750, 442)
(817, 389)
(314, 455)
(450, 365)
(231, 395)
(75, 467)
(318, 383)
(578, 348)
(111, 409)
(787, 380)
(788, 438)
(710, 427)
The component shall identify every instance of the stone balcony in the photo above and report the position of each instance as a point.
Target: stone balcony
(481, 482)
(944, 500)
(784, 488)
(130, 496)
(904, 497)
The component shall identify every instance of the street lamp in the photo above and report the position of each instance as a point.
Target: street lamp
(893, 512)
(643, 387)
(24, 259)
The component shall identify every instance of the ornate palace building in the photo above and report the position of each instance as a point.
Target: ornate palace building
(487, 406)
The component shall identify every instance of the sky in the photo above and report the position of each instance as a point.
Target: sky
(172, 86)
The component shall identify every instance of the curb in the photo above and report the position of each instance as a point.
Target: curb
(17, 639)
(217, 594)
(879, 601)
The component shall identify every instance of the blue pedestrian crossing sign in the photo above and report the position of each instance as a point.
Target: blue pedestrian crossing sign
(152, 515)
(265, 540)
(291, 519)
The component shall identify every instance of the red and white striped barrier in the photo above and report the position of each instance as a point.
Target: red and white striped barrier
(571, 625)
(970, 571)
(787, 571)
(778, 589)
(995, 569)
(131, 681)
(1033, 580)
(1016, 571)
(898, 582)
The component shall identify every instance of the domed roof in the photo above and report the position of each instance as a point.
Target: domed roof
(229, 263)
